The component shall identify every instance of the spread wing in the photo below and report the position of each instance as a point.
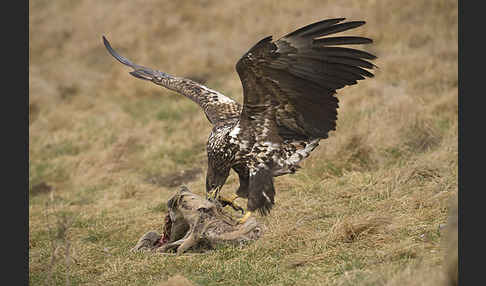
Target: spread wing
(289, 84)
(288, 88)
(216, 106)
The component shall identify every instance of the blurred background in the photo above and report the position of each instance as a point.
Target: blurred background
(104, 143)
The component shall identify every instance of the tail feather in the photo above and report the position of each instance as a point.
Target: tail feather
(301, 154)
(261, 191)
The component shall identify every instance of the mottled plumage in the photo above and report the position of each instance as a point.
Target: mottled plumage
(289, 105)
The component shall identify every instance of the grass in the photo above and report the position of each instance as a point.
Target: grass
(106, 150)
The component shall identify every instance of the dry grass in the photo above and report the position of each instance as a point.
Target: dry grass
(177, 280)
(106, 150)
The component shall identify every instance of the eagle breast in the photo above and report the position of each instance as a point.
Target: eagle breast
(220, 148)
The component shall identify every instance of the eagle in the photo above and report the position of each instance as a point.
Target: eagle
(289, 105)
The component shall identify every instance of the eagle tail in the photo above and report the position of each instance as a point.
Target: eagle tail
(303, 153)
(261, 191)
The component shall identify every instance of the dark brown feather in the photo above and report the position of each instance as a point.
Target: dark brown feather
(342, 41)
(261, 192)
(300, 74)
(314, 26)
(328, 30)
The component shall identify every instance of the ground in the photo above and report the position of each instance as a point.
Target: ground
(106, 150)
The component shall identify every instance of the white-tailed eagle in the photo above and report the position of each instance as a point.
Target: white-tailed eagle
(289, 88)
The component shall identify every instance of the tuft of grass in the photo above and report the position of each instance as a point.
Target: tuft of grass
(60, 247)
(41, 174)
(177, 280)
(421, 136)
(129, 191)
(357, 154)
(351, 231)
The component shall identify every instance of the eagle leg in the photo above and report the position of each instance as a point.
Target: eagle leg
(225, 201)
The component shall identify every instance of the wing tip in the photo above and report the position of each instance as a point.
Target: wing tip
(303, 29)
(116, 55)
(105, 41)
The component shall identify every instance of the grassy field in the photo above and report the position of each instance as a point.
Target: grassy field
(106, 150)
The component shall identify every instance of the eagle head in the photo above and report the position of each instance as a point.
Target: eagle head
(215, 179)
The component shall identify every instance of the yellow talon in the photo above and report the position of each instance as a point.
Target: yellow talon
(211, 195)
(231, 201)
(245, 217)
